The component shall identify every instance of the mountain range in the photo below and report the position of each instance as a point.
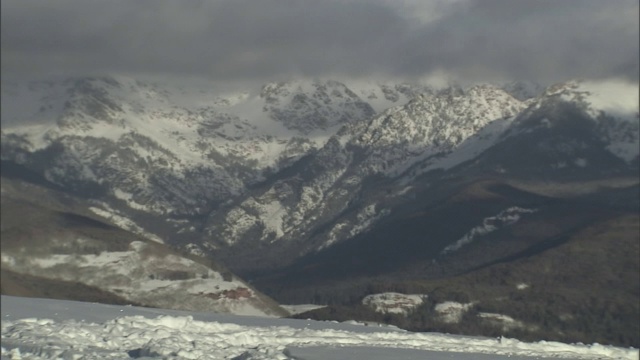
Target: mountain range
(305, 188)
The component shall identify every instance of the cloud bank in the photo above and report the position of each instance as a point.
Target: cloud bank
(240, 40)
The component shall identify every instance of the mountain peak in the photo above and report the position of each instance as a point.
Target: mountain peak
(615, 98)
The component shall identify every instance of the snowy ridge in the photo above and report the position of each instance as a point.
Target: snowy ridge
(112, 128)
(615, 98)
(142, 333)
(431, 125)
(311, 106)
(612, 105)
(147, 138)
(435, 130)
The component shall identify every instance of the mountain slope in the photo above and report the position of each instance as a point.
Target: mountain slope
(585, 289)
(294, 212)
(542, 175)
(52, 249)
(145, 149)
(371, 167)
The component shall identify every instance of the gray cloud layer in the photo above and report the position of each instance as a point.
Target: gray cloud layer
(544, 40)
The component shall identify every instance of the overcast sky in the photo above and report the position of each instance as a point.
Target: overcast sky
(240, 40)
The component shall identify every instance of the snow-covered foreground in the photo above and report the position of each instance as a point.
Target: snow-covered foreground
(45, 329)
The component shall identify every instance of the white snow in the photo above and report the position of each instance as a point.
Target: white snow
(394, 303)
(451, 311)
(473, 145)
(126, 197)
(505, 321)
(506, 217)
(194, 249)
(123, 222)
(269, 213)
(301, 308)
(405, 190)
(522, 286)
(274, 213)
(433, 126)
(241, 222)
(168, 114)
(334, 235)
(51, 329)
(366, 217)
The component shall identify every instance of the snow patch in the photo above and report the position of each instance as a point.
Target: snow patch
(504, 218)
(124, 222)
(128, 198)
(194, 249)
(366, 217)
(507, 322)
(451, 311)
(394, 303)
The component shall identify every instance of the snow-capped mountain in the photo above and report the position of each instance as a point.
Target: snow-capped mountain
(313, 106)
(575, 127)
(299, 166)
(330, 184)
(149, 139)
(370, 167)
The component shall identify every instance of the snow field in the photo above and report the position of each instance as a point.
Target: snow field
(185, 338)
(47, 329)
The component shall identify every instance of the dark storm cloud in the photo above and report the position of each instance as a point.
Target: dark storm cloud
(241, 39)
(546, 39)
